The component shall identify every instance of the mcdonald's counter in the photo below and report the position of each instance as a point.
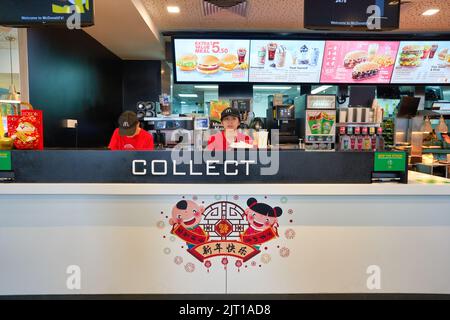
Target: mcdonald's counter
(190, 167)
(203, 238)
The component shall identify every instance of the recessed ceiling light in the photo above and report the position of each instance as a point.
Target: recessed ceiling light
(173, 9)
(430, 12)
(187, 95)
(206, 87)
(270, 88)
(320, 89)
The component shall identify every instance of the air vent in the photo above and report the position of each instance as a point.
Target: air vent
(211, 7)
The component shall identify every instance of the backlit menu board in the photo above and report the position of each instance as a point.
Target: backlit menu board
(358, 61)
(423, 62)
(208, 60)
(286, 61)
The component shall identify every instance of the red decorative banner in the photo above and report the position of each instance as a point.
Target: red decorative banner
(223, 248)
(260, 237)
(189, 235)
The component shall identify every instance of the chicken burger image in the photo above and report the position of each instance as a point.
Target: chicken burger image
(208, 65)
(365, 70)
(229, 62)
(353, 58)
(187, 62)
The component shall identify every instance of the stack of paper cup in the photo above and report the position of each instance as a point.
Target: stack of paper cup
(351, 115)
(371, 116)
(379, 116)
(343, 115)
(367, 115)
(359, 115)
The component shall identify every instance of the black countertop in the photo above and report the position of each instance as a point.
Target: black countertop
(103, 166)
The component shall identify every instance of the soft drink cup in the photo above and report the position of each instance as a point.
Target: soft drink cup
(242, 52)
(272, 48)
(433, 50)
(263, 137)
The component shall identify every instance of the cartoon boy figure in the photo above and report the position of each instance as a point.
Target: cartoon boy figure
(187, 215)
(260, 217)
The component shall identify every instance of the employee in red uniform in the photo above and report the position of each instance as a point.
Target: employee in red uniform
(129, 136)
(222, 141)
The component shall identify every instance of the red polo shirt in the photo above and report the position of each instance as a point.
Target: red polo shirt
(219, 142)
(143, 141)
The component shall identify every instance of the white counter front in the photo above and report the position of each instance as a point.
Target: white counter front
(116, 239)
(419, 184)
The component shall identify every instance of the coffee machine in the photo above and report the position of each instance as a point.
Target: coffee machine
(281, 117)
(171, 131)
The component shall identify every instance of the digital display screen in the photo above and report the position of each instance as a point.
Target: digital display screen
(201, 123)
(22, 13)
(351, 14)
(423, 62)
(359, 61)
(200, 60)
(311, 61)
(286, 61)
(285, 112)
(160, 125)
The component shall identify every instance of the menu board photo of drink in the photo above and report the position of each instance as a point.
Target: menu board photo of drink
(423, 62)
(286, 61)
(359, 61)
(211, 60)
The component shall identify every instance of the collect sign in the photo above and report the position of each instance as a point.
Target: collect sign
(5, 161)
(390, 161)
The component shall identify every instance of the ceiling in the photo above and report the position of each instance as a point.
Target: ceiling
(126, 29)
(132, 28)
(280, 15)
(137, 36)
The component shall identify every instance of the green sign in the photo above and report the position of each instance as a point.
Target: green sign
(5, 161)
(390, 161)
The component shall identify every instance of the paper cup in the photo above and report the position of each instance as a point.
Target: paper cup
(263, 137)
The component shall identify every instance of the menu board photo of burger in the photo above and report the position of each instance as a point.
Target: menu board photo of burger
(423, 62)
(358, 61)
(212, 60)
(286, 61)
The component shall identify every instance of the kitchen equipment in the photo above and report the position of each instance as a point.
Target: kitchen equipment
(146, 109)
(159, 139)
(320, 123)
(281, 121)
(175, 129)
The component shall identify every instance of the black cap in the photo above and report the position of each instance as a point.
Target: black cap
(128, 122)
(230, 112)
(264, 209)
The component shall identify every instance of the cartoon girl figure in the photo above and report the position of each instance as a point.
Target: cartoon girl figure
(260, 217)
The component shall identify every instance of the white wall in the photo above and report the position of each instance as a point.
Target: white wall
(116, 242)
(5, 65)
